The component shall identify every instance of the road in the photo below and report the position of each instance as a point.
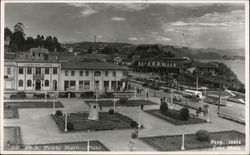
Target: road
(235, 110)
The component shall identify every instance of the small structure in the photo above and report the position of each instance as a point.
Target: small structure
(93, 111)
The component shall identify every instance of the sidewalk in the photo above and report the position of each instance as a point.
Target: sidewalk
(38, 128)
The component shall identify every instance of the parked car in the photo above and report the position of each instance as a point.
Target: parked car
(87, 94)
(66, 95)
(155, 87)
(18, 95)
(41, 95)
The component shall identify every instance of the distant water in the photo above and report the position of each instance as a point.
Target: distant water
(237, 66)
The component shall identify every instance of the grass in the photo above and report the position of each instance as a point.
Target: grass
(12, 137)
(106, 121)
(105, 103)
(11, 108)
(173, 143)
(175, 121)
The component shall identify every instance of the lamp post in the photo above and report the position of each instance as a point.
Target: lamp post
(139, 124)
(66, 121)
(88, 142)
(114, 104)
(183, 140)
(53, 109)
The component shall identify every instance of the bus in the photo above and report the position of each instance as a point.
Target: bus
(192, 93)
(214, 99)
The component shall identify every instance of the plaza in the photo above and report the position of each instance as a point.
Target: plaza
(37, 127)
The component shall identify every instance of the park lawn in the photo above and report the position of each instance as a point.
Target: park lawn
(12, 137)
(173, 142)
(104, 103)
(106, 121)
(11, 108)
(157, 113)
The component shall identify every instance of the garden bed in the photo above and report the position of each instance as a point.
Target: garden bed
(12, 137)
(173, 142)
(106, 121)
(11, 108)
(105, 103)
(175, 121)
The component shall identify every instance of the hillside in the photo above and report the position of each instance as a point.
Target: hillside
(130, 49)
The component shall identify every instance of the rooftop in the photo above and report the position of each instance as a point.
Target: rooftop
(92, 66)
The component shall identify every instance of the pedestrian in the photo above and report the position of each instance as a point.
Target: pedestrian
(161, 99)
(147, 95)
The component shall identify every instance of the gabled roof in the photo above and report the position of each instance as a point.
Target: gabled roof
(92, 66)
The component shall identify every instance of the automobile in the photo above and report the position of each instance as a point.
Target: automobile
(18, 95)
(66, 95)
(145, 84)
(40, 95)
(167, 90)
(155, 87)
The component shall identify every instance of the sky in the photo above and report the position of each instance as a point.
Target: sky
(198, 25)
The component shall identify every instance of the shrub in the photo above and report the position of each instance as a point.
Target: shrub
(21, 94)
(133, 124)
(70, 126)
(184, 114)
(111, 111)
(107, 95)
(40, 95)
(134, 135)
(87, 94)
(72, 95)
(123, 100)
(172, 113)
(59, 113)
(202, 135)
(163, 107)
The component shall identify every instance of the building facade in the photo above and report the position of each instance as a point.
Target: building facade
(39, 73)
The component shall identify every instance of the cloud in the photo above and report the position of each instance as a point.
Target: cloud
(86, 9)
(218, 30)
(132, 38)
(164, 39)
(90, 8)
(118, 19)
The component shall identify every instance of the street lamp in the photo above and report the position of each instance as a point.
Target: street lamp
(53, 109)
(139, 124)
(66, 121)
(183, 140)
(114, 104)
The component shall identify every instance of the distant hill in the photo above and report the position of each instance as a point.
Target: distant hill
(131, 49)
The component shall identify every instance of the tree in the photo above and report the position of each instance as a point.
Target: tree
(17, 39)
(7, 32)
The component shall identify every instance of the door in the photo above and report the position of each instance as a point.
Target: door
(66, 85)
(38, 85)
(54, 85)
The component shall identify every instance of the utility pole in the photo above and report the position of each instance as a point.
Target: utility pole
(219, 100)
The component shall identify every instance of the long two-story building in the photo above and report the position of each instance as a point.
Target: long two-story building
(37, 74)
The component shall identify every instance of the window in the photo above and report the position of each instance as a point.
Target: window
(114, 73)
(29, 83)
(87, 73)
(54, 70)
(106, 73)
(8, 70)
(33, 54)
(39, 54)
(72, 85)
(97, 73)
(106, 84)
(81, 73)
(38, 71)
(66, 72)
(29, 70)
(97, 85)
(86, 85)
(72, 73)
(80, 85)
(20, 83)
(46, 70)
(46, 83)
(21, 70)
